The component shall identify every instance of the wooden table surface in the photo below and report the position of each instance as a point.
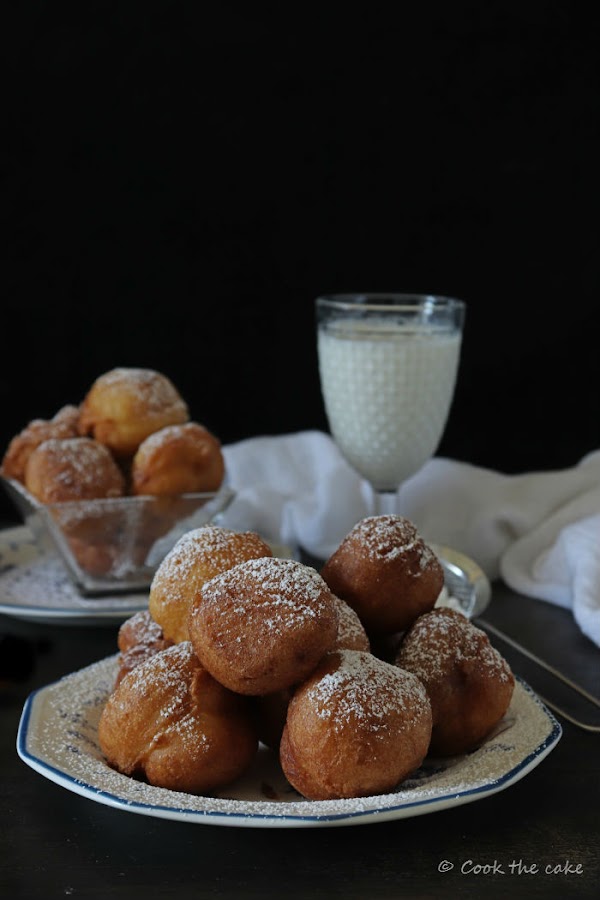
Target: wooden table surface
(55, 843)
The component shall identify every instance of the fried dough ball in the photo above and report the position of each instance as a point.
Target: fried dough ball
(79, 469)
(263, 625)
(139, 638)
(72, 469)
(469, 684)
(357, 726)
(386, 572)
(351, 632)
(137, 629)
(178, 459)
(125, 405)
(198, 556)
(271, 709)
(170, 721)
(63, 425)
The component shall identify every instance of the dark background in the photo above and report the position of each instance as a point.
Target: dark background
(180, 180)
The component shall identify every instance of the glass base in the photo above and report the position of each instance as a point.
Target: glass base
(385, 503)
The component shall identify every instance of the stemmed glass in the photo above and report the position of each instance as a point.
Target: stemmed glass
(388, 365)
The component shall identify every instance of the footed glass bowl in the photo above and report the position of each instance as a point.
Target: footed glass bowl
(115, 545)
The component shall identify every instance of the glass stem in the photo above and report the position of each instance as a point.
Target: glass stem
(385, 503)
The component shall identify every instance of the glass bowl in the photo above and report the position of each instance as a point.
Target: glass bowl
(115, 545)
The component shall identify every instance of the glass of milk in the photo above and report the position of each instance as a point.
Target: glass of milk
(388, 366)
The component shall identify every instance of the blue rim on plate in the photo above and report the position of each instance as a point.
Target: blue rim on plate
(57, 738)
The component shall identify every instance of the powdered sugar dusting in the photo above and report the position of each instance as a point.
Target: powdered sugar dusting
(363, 688)
(40, 588)
(156, 390)
(163, 673)
(442, 639)
(22, 445)
(389, 537)
(61, 733)
(210, 548)
(140, 628)
(191, 431)
(87, 469)
(283, 593)
(351, 631)
(164, 680)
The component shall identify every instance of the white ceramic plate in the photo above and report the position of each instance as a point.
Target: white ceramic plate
(34, 584)
(58, 738)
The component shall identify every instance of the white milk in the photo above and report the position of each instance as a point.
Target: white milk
(387, 390)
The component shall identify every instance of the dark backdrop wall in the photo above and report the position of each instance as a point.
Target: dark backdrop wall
(181, 180)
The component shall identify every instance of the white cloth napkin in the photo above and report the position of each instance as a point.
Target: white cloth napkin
(540, 531)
